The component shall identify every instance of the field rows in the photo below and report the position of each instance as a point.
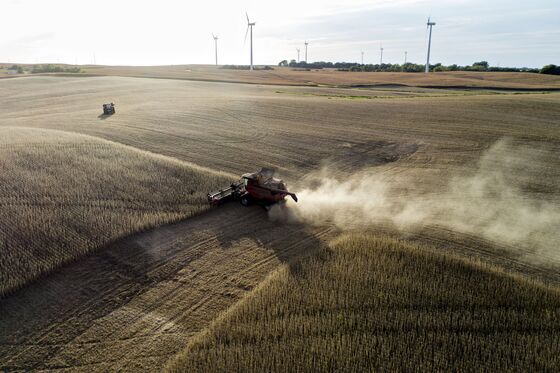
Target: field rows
(387, 306)
(236, 128)
(66, 199)
(136, 302)
(134, 305)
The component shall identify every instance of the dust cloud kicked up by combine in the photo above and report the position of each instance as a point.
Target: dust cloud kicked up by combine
(495, 200)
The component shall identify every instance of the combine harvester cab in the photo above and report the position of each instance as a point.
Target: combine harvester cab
(259, 187)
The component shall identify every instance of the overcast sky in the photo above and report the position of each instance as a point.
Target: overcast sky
(126, 32)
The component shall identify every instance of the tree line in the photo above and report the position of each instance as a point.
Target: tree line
(46, 68)
(54, 69)
(413, 67)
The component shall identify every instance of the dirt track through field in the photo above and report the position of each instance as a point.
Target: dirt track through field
(137, 302)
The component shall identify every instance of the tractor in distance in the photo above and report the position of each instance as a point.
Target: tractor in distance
(108, 109)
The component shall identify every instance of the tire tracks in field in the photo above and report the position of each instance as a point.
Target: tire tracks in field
(257, 132)
(136, 302)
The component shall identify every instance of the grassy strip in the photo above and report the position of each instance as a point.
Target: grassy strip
(376, 304)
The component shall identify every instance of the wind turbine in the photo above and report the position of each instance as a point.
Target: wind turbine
(297, 54)
(306, 44)
(250, 26)
(362, 57)
(216, 47)
(429, 25)
(381, 49)
(405, 56)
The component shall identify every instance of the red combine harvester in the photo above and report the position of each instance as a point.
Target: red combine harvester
(259, 187)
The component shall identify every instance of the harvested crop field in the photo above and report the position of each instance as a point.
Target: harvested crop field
(237, 127)
(138, 299)
(332, 77)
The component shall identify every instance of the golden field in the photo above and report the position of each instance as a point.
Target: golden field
(120, 264)
(371, 303)
(63, 195)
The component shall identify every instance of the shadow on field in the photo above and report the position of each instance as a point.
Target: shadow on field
(103, 116)
(219, 255)
(288, 241)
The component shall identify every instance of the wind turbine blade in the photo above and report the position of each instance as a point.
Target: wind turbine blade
(246, 33)
(247, 17)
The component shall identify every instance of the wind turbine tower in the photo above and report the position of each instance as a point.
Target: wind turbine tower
(429, 25)
(362, 57)
(306, 44)
(381, 49)
(297, 54)
(405, 56)
(216, 47)
(250, 26)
